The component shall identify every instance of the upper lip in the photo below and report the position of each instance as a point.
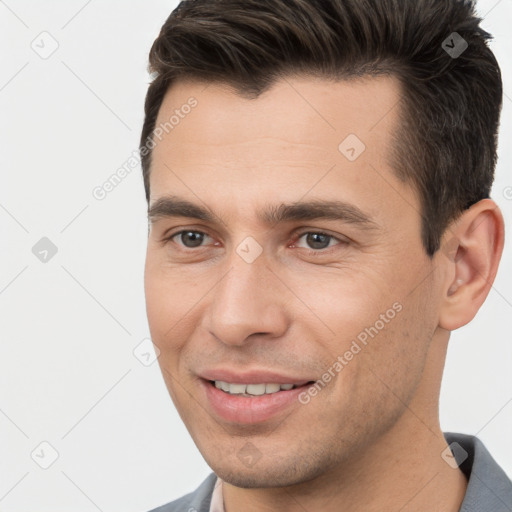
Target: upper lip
(251, 377)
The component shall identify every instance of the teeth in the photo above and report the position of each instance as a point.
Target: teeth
(272, 388)
(237, 388)
(252, 389)
(256, 389)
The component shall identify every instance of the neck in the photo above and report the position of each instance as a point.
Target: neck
(402, 470)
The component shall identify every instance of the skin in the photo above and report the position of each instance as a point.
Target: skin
(370, 439)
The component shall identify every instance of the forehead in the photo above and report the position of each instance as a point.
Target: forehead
(301, 134)
(300, 110)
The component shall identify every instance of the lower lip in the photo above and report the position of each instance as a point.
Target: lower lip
(243, 409)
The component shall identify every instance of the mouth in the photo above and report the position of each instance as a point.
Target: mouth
(250, 403)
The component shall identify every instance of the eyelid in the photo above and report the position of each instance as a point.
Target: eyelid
(176, 230)
(319, 231)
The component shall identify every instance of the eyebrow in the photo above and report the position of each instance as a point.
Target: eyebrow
(173, 206)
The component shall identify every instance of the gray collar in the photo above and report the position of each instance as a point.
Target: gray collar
(489, 488)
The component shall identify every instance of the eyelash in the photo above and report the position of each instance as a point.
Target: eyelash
(296, 238)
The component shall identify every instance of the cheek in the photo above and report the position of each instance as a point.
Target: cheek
(166, 310)
(373, 388)
(158, 304)
(396, 356)
(343, 302)
(381, 332)
(168, 301)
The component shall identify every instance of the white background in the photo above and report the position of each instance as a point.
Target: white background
(68, 375)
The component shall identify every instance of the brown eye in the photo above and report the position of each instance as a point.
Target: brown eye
(317, 240)
(190, 239)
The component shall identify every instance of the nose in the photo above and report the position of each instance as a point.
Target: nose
(247, 303)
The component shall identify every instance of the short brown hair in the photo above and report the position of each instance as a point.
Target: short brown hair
(446, 140)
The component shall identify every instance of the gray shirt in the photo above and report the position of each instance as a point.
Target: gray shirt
(489, 489)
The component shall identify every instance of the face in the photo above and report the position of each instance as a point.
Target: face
(298, 262)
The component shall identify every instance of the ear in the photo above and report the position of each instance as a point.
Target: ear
(470, 254)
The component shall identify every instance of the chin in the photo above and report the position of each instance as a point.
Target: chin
(267, 475)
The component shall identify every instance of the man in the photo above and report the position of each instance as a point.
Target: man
(318, 175)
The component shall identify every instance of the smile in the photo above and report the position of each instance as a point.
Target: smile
(246, 403)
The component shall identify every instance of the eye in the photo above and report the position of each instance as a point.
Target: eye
(317, 240)
(189, 238)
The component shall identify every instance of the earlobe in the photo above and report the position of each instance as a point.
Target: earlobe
(470, 256)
